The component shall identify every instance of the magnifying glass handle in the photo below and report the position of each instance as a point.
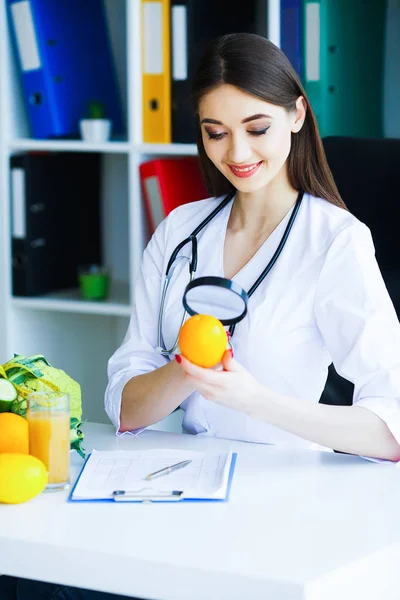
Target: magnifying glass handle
(230, 344)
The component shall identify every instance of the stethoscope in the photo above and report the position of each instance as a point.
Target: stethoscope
(220, 297)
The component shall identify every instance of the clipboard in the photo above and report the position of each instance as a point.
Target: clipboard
(146, 496)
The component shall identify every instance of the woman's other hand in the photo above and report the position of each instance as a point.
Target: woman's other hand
(229, 384)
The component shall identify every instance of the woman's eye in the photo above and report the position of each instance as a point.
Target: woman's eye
(215, 136)
(219, 136)
(259, 131)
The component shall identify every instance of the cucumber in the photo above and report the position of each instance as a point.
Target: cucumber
(8, 394)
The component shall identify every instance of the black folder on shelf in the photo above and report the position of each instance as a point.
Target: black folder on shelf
(193, 25)
(55, 220)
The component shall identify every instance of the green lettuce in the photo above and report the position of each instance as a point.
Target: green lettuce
(35, 374)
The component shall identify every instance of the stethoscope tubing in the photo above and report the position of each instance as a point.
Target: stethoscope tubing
(192, 239)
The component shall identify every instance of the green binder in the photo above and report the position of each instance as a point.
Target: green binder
(343, 65)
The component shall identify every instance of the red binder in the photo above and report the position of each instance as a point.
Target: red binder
(168, 183)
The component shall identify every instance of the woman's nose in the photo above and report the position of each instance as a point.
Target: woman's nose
(239, 150)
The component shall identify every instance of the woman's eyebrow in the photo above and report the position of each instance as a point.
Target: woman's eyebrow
(246, 120)
(255, 117)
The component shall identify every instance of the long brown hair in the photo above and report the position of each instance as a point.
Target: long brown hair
(256, 66)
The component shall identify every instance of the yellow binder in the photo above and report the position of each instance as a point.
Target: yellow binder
(156, 71)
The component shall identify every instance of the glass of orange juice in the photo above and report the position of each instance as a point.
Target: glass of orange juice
(49, 435)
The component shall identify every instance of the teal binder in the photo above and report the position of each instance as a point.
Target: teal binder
(343, 65)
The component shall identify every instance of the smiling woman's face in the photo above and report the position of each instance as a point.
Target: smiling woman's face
(247, 139)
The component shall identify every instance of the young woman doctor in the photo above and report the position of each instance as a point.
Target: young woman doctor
(324, 299)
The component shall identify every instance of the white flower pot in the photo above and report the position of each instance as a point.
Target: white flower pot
(95, 130)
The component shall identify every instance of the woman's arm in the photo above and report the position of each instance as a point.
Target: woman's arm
(360, 329)
(143, 385)
(148, 398)
(351, 429)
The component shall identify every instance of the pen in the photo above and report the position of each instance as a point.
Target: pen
(167, 470)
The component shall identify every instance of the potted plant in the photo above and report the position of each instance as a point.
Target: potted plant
(96, 128)
(93, 281)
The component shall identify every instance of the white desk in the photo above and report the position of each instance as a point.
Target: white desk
(298, 526)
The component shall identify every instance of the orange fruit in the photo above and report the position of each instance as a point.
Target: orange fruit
(203, 340)
(14, 433)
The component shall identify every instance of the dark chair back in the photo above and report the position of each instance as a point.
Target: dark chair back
(367, 174)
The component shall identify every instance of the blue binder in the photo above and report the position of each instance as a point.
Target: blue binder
(65, 61)
(292, 32)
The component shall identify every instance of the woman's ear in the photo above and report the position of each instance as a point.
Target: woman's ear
(301, 110)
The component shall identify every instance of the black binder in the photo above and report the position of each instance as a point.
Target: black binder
(193, 25)
(55, 219)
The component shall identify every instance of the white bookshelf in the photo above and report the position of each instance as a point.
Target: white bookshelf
(167, 149)
(76, 335)
(23, 145)
(117, 303)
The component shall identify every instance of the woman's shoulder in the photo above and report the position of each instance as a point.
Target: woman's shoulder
(195, 208)
(329, 220)
(188, 216)
(180, 223)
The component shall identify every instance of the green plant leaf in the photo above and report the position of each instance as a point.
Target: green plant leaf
(97, 110)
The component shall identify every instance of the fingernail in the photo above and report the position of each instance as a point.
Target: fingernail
(178, 358)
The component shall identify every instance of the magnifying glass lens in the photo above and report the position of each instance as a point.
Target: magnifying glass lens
(221, 298)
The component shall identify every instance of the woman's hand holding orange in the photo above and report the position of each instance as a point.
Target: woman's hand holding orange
(233, 386)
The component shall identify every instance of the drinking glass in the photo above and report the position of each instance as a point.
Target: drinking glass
(49, 435)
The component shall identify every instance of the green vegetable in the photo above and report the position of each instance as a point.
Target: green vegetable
(34, 374)
(8, 394)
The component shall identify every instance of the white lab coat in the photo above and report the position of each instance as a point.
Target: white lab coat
(324, 300)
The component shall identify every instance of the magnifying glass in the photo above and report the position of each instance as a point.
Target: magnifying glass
(216, 296)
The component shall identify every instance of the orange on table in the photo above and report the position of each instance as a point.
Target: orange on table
(203, 340)
(14, 433)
